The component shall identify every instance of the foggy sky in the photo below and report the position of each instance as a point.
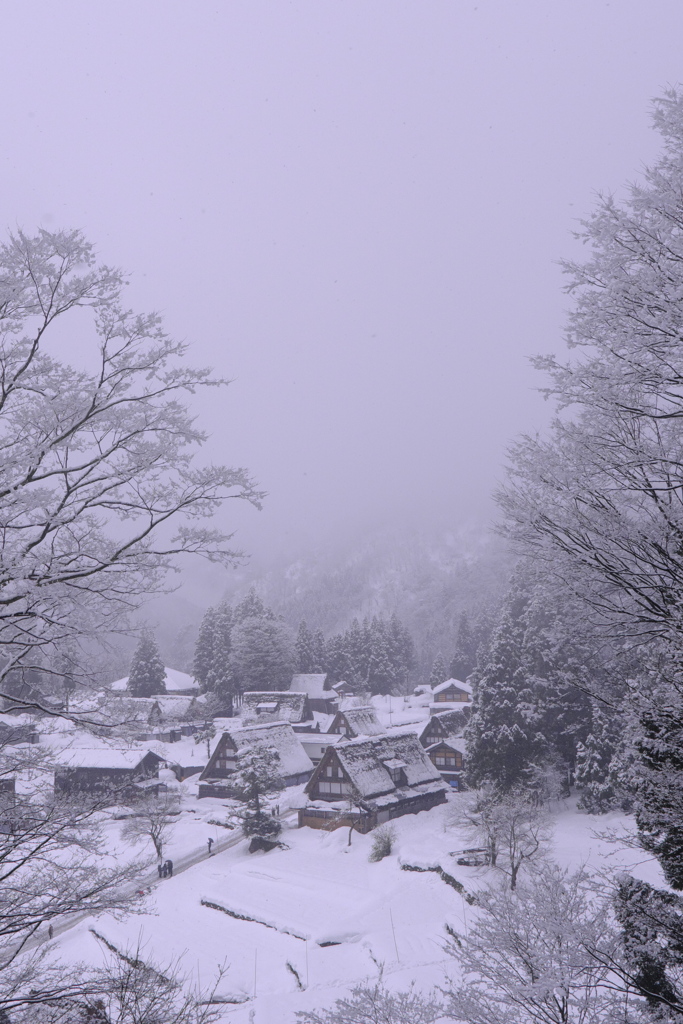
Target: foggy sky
(350, 207)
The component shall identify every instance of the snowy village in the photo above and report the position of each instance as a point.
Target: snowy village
(341, 512)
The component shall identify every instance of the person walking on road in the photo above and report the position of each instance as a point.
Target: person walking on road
(168, 867)
(209, 843)
(50, 931)
(160, 869)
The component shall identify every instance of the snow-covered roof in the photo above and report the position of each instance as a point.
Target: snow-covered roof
(283, 705)
(174, 680)
(452, 722)
(465, 687)
(313, 684)
(364, 721)
(456, 742)
(365, 762)
(293, 758)
(100, 757)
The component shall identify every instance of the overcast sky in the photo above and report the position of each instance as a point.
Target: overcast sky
(350, 207)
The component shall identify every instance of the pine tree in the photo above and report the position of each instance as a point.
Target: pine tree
(652, 942)
(212, 664)
(593, 761)
(503, 735)
(147, 673)
(659, 788)
(258, 772)
(439, 672)
(204, 648)
(319, 651)
(219, 679)
(252, 607)
(262, 656)
(401, 651)
(381, 677)
(464, 658)
(304, 646)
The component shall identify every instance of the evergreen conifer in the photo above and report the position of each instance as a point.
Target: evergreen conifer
(147, 673)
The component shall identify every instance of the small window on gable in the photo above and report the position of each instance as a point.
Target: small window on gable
(396, 770)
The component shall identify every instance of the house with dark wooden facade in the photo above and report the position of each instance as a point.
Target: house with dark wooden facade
(368, 781)
(442, 738)
(449, 694)
(353, 722)
(105, 770)
(443, 725)
(276, 706)
(316, 685)
(295, 764)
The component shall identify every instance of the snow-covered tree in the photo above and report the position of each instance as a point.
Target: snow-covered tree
(439, 672)
(204, 647)
(658, 777)
(464, 659)
(147, 673)
(262, 656)
(252, 607)
(651, 956)
(600, 502)
(108, 442)
(593, 761)
(375, 1004)
(153, 819)
(212, 658)
(257, 774)
(305, 649)
(529, 958)
(504, 731)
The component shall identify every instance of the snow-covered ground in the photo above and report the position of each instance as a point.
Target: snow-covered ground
(319, 908)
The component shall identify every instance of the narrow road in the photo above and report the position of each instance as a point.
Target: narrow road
(147, 881)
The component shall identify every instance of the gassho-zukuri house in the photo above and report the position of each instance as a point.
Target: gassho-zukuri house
(295, 764)
(367, 781)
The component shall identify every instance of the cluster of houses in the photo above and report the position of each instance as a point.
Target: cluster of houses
(355, 770)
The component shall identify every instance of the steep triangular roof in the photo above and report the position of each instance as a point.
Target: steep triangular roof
(293, 758)
(362, 721)
(312, 684)
(367, 762)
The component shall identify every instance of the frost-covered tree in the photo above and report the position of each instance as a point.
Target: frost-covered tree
(464, 659)
(100, 491)
(212, 659)
(262, 656)
(504, 731)
(258, 773)
(147, 672)
(593, 766)
(305, 649)
(530, 957)
(152, 819)
(439, 672)
(651, 959)
(600, 501)
(658, 775)
(108, 442)
(375, 1004)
